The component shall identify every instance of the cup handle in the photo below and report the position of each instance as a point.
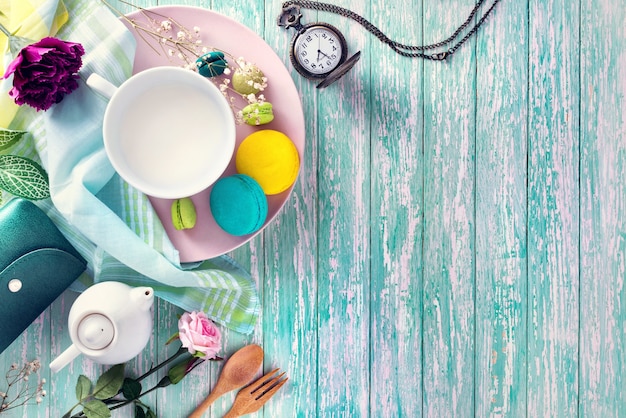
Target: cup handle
(64, 358)
(101, 85)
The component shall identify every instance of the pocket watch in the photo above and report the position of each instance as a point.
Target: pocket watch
(318, 51)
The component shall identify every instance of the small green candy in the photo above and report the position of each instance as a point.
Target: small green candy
(258, 113)
(211, 64)
(183, 214)
(248, 80)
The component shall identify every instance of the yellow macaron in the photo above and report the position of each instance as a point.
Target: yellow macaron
(269, 157)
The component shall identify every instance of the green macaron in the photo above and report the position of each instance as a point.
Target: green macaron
(183, 214)
(211, 64)
(258, 113)
(238, 204)
(248, 79)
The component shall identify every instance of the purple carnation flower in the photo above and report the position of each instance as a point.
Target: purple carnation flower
(44, 72)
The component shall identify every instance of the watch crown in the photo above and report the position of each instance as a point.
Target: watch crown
(290, 17)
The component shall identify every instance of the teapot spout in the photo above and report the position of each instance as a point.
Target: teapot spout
(142, 298)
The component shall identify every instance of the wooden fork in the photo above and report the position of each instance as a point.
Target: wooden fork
(252, 397)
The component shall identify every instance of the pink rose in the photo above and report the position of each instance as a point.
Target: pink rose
(199, 334)
(44, 72)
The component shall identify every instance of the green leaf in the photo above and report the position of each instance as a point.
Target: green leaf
(8, 137)
(151, 414)
(23, 177)
(96, 409)
(83, 388)
(131, 389)
(109, 384)
(139, 413)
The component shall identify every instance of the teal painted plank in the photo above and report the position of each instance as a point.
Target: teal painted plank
(501, 200)
(553, 214)
(30, 346)
(290, 313)
(603, 209)
(448, 255)
(397, 165)
(343, 234)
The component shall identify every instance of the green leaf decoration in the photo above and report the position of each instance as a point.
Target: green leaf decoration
(110, 383)
(8, 137)
(150, 414)
(83, 388)
(131, 389)
(23, 177)
(96, 409)
(139, 413)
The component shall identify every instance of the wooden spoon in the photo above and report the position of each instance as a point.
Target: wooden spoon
(238, 371)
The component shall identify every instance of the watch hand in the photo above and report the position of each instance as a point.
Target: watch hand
(320, 52)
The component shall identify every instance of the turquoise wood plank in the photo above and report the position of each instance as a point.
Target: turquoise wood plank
(343, 134)
(553, 224)
(501, 201)
(448, 254)
(603, 205)
(289, 327)
(31, 345)
(397, 203)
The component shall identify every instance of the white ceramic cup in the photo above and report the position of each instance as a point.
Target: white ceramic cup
(168, 131)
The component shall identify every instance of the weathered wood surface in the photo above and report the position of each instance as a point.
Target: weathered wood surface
(455, 243)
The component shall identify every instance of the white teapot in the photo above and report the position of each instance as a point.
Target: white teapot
(110, 323)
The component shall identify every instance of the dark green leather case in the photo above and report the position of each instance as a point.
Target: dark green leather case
(37, 264)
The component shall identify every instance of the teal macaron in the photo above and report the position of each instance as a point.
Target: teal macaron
(238, 204)
(211, 64)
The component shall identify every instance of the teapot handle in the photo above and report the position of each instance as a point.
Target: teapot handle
(64, 358)
(101, 85)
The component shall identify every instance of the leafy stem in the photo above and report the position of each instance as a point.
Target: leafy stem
(99, 401)
(174, 356)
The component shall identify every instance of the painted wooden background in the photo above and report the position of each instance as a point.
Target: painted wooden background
(456, 243)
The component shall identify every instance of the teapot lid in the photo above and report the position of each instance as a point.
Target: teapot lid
(95, 331)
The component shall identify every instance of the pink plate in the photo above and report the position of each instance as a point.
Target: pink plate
(207, 240)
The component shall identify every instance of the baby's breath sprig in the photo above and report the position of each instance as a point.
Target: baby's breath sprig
(238, 79)
(19, 392)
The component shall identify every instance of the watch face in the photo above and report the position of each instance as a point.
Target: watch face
(318, 50)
